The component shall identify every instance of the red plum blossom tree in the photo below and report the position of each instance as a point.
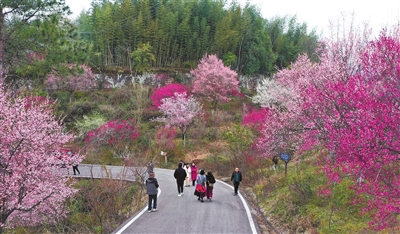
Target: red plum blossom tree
(115, 134)
(350, 110)
(32, 188)
(361, 128)
(214, 81)
(255, 118)
(166, 92)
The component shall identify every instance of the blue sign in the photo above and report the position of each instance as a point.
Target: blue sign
(285, 157)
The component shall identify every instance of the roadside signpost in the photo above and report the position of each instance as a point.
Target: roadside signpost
(286, 158)
(165, 156)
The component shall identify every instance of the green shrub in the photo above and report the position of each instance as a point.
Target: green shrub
(89, 122)
(78, 109)
(119, 96)
(80, 96)
(99, 96)
(61, 96)
(101, 155)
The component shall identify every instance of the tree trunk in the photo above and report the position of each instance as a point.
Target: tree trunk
(184, 138)
(239, 55)
(2, 37)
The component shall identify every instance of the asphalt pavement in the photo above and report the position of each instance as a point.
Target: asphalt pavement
(225, 213)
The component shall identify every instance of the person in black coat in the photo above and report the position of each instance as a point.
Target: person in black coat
(180, 176)
(236, 178)
(210, 184)
(75, 165)
(152, 190)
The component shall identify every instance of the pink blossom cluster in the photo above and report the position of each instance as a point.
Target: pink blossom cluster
(166, 92)
(113, 132)
(349, 109)
(32, 188)
(213, 80)
(83, 82)
(179, 111)
(255, 118)
(34, 100)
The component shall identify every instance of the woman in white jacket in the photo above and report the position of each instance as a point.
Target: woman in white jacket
(188, 175)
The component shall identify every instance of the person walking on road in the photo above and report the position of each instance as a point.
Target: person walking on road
(188, 175)
(75, 165)
(151, 187)
(201, 185)
(236, 178)
(193, 172)
(150, 167)
(210, 184)
(180, 176)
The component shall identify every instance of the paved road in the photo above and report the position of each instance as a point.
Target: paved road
(226, 213)
(98, 171)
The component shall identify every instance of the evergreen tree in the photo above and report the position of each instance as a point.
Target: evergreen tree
(35, 39)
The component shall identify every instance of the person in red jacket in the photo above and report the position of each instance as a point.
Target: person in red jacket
(193, 172)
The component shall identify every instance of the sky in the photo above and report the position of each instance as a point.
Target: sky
(315, 13)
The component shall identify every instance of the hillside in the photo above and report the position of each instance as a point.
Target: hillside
(289, 203)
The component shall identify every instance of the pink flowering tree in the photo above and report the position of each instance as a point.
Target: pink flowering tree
(351, 113)
(166, 92)
(33, 189)
(115, 134)
(214, 81)
(179, 111)
(83, 81)
(359, 126)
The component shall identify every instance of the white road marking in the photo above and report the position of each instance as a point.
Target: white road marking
(136, 217)
(246, 207)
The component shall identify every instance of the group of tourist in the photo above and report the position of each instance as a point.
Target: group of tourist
(204, 185)
(187, 175)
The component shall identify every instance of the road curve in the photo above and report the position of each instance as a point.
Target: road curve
(226, 213)
(100, 171)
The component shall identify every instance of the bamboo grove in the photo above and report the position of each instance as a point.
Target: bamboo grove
(179, 33)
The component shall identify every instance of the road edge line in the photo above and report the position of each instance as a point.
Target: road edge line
(246, 207)
(135, 217)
